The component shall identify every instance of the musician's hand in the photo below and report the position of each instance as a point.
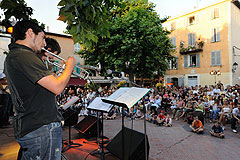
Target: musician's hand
(71, 62)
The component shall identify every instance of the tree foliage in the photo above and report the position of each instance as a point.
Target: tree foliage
(17, 9)
(138, 45)
(87, 20)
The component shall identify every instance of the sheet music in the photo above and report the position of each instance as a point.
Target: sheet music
(70, 102)
(98, 104)
(128, 96)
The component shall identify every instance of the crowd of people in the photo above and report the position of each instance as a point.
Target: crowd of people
(217, 104)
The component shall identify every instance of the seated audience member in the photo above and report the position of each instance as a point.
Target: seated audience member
(225, 113)
(160, 118)
(168, 121)
(197, 125)
(215, 110)
(217, 130)
(235, 117)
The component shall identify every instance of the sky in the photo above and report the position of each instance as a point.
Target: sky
(46, 11)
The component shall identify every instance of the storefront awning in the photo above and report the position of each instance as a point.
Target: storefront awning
(76, 81)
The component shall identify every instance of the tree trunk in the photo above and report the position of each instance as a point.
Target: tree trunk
(131, 79)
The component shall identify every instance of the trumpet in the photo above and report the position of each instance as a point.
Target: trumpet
(83, 73)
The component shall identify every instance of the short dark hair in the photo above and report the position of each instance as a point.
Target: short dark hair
(21, 27)
(53, 45)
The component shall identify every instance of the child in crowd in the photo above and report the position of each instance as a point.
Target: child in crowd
(168, 121)
(161, 118)
(197, 125)
(217, 130)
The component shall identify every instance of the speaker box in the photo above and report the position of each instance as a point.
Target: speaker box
(134, 145)
(88, 126)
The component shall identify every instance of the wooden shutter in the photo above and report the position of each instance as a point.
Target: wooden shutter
(212, 35)
(198, 60)
(218, 57)
(176, 62)
(185, 61)
(213, 59)
(218, 38)
(193, 39)
(181, 82)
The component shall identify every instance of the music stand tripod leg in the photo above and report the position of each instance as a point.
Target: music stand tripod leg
(98, 152)
(70, 144)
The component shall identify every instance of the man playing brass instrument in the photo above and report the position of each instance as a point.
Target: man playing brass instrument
(37, 124)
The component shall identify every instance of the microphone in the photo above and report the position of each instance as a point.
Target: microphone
(70, 102)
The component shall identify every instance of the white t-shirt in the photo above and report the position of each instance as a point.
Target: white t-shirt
(236, 112)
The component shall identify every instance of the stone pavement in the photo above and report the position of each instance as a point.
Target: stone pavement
(174, 143)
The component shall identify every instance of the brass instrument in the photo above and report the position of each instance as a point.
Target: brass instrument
(83, 73)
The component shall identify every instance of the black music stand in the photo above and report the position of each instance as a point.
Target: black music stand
(99, 106)
(126, 98)
(70, 119)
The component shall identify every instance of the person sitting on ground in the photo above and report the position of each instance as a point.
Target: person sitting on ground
(217, 130)
(168, 121)
(197, 125)
(235, 118)
(160, 119)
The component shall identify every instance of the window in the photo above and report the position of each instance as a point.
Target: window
(173, 64)
(215, 58)
(191, 20)
(191, 61)
(173, 40)
(215, 13)
(191, 39)
(215, 35)
(173, 26)
(77, 47)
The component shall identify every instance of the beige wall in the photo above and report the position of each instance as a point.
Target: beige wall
(203, 31)
(67, 48)
(235, 40)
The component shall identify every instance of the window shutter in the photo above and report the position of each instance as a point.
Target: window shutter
(189, 39)
(212, 14)
(213, 35)
(185, 61)
(181, 82)
(218, 38)
(218, 58)
(213, 59)
(193, 39)
(216, 12)
(176, 62)
(174, 41)
(198, 60)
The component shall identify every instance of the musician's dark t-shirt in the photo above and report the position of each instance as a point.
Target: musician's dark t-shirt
(24, 68)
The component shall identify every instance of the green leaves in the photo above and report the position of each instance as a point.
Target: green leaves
(138, 44)
(87, 19)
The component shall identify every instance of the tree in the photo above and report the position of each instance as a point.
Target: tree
(88, 20)
(138, 45)
(17, 9)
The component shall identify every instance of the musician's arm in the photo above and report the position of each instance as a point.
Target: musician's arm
(57, 84)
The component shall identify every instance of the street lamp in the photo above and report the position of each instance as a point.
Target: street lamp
(215, 73)
(234, 67)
